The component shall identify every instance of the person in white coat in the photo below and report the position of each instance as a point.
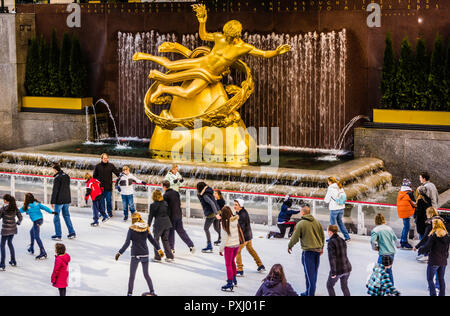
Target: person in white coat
(124, 185)
(175, 178)
(336, 198)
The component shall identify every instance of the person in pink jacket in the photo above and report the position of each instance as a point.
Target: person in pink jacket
(60, 275)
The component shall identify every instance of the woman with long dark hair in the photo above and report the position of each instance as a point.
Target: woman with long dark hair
(275, 284)
(221, 202)
(230, 245)
(33, 208)
(210, 208)
(8, 214)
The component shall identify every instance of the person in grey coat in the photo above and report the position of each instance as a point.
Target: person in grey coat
(159, 210)
(8, 214)
(431, 190)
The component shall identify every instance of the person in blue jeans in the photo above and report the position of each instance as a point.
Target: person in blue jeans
(124, 185)
(33, 208)
(61, 199)
(335, 191)
(103, 172)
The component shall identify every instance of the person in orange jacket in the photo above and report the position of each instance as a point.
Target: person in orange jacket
(406, 204)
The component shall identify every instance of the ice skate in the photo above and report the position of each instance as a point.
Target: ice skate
(13, 263)
(208, 249)
(228, 287)
(72, 236)
(42, 256)
(94, 224)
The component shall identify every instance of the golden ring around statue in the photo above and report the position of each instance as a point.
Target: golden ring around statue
(223, 116)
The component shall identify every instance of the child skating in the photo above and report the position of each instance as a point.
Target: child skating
(95, 192)
(60, 275)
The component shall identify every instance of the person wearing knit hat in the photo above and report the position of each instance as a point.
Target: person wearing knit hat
(406, 204)
(138, 233)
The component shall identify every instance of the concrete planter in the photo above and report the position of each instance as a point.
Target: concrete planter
(55, 105)
(411, 117)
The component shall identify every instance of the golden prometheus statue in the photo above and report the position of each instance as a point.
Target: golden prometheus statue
(202, 122)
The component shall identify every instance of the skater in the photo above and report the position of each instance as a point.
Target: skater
(138, 234)
(383, 240)
(432, 192)
(60, 201)
(312, 238)
(437, 246)
(221, 202)
(8, 214)
(33, 208)
(340, 266)
(210, 209)
(336, 198)
(275, 284)
(159, 211)
(431, 214)
(230, 245)
(95, 191)
(60, 275)
(244, 223)
(172, 198)
(174, 177)
(124, 185)
(104, 173)
(406, 204)
(284, 220)
(420, 212)
(380, 283)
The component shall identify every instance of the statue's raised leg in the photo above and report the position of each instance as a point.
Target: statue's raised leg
(176, 65)
(190, 91)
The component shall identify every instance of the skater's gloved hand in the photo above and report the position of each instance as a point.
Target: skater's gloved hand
(54, 213)
(220, 253)
(117, 256)
(144, 183)
(175, 181)
(289, 250)
(119, 189)
(18, 223)
(181, 180)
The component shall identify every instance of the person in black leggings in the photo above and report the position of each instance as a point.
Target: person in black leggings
(221, 202)
(138, 234)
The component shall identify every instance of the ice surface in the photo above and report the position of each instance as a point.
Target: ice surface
(95, 272)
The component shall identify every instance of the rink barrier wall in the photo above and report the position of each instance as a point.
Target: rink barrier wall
(312, 201)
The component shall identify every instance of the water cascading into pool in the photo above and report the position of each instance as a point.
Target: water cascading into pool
(303, 92)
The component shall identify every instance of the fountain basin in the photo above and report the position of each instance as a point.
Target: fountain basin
(359, 176)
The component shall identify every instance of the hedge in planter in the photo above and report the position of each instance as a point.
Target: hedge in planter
(53, 67)
(78, 73)
(436, 78)
(422, 62)
(32, 68)
(404, 77)
(388, 75)
(64, 61)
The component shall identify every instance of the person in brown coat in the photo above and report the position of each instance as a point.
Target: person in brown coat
(8, 214)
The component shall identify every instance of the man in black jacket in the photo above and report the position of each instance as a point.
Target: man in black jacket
(172, 198)
(60, 201)
(340, 266)
(244, 223)
(103, 172)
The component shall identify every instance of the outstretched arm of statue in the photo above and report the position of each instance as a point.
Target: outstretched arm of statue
(200, 10)
(142, 56)
(282, 49)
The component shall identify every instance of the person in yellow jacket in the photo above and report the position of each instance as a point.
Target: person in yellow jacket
(406, 204)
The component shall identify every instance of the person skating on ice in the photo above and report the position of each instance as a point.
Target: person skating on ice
(8, 214)
(137, 236)
(244, 223)
(124, 185)
(33, 208)
(104, 173)
(174, 177)
(95, 192)
(221, 202)
(210, 209)
(284, 220)
(60, 275)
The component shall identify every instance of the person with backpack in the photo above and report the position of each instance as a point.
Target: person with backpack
(437, 246)
(275, 284)
(336, 199)
(380, 282)
(310, 233)
(432, 191)
(284, 220)
(138, 234)
(8, 214)
(33, 208)
(406, 204)
(420, 213)
(210, 209)
(172, 198)
(383, 240)
(230, 245)
(60, 201)
(124, 185)
(159, 211)
(95, 192)
(60, 275)
(340, 266)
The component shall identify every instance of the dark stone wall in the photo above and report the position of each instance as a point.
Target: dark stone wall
(100, 24)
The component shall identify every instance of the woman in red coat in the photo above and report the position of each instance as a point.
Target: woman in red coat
(60, 275)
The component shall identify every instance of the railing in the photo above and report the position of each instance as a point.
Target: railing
(263, 207)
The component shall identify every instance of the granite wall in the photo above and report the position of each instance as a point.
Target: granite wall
(406, 153)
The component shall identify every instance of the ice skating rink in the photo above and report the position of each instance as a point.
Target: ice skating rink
(95, 272)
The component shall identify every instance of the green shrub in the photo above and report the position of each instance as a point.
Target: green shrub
(422, 65)
(43, 68)
(78, 73)
(64, 61)
(437, 76)
(388, 75)
(53, 67)
(404, 76)
(32, 69)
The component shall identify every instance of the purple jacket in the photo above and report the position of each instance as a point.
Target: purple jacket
(275, 288)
